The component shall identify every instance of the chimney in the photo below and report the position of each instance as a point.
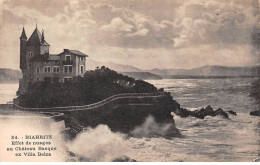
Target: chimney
(42, 40)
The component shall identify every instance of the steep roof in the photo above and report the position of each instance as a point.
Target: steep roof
(35, 38)
(23, 35)
(45, 43)
(79, 53)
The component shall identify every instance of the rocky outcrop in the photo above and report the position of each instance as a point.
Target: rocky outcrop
(220, 112)
(124, 114)
(202, 113)
(255, 113)
(127, 114)
(123, 159)
(232, 112)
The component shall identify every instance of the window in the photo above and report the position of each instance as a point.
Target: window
(67, 79)
(82, 58)
(37, 79)
(30, 64)
(30, 54)
(56, 69)
(67, 68)
(81, 69)
(57, 62)
(37, 69)
(47, 69)
(56, 79)
(46, 62)
(68, 57)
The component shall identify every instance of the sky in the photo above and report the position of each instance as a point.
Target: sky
(147, 34)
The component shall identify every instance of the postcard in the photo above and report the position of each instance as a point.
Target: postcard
(129, 81)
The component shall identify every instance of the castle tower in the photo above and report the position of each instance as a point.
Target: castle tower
(23, 41)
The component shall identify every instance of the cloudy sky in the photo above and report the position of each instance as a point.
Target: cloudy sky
(143, 33)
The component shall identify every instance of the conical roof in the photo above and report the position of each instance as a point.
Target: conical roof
(23, 35)
(35, 38)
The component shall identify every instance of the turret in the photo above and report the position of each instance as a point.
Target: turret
(23, 35)
(23, 41)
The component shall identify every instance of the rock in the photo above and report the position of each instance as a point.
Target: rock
(209, 109)
(124, 115)
(255, 113)
(222, 113)
(202, 113)
(123, 159)
(232, 112)
(73, 157)
(183, 112)
(256, 160)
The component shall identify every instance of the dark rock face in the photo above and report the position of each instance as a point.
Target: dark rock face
(222, 113)
(182, 112)
(125, 115)
(202, 113)
(255, 113)
(232, 113)
(123, 159)
(93, 87)
(72, 157)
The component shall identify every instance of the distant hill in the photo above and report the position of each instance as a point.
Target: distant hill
(223, 71)
(13, 76)
(143, 75)
(213, 71)
(92, 65)
(9, 75)
(167, 71)
(208, 71)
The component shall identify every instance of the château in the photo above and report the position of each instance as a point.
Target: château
(37, 64)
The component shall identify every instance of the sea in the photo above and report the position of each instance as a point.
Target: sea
(211, 139)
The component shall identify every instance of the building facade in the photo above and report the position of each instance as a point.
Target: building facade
(37, 64)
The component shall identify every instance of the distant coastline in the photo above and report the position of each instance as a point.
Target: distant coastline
(9, 76)
(206, 72)
(206, 77)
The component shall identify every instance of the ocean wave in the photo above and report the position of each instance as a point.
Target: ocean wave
(150, 128)
(99, 144)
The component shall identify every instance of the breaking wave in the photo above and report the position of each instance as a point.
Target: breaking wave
(98, 144)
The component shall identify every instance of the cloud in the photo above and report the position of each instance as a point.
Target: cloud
(196, 23)
(49, 8)
(122, 27)
(215, 22)
(117, 25)
(174, 34)
(141, 32)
